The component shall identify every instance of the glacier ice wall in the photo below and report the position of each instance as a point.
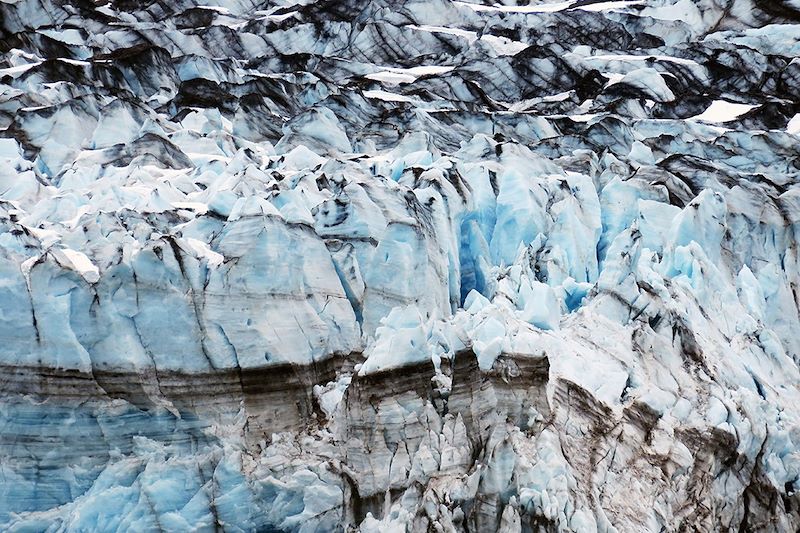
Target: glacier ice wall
(399, 266)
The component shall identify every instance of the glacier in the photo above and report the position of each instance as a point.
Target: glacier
(399, 266)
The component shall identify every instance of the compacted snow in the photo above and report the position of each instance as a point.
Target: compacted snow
(399, 266)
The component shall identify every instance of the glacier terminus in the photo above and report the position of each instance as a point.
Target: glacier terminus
(400, 266)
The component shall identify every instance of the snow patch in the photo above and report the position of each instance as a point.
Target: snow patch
(723, 111)
(793, 126)
(81, 263)
(387, 96)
